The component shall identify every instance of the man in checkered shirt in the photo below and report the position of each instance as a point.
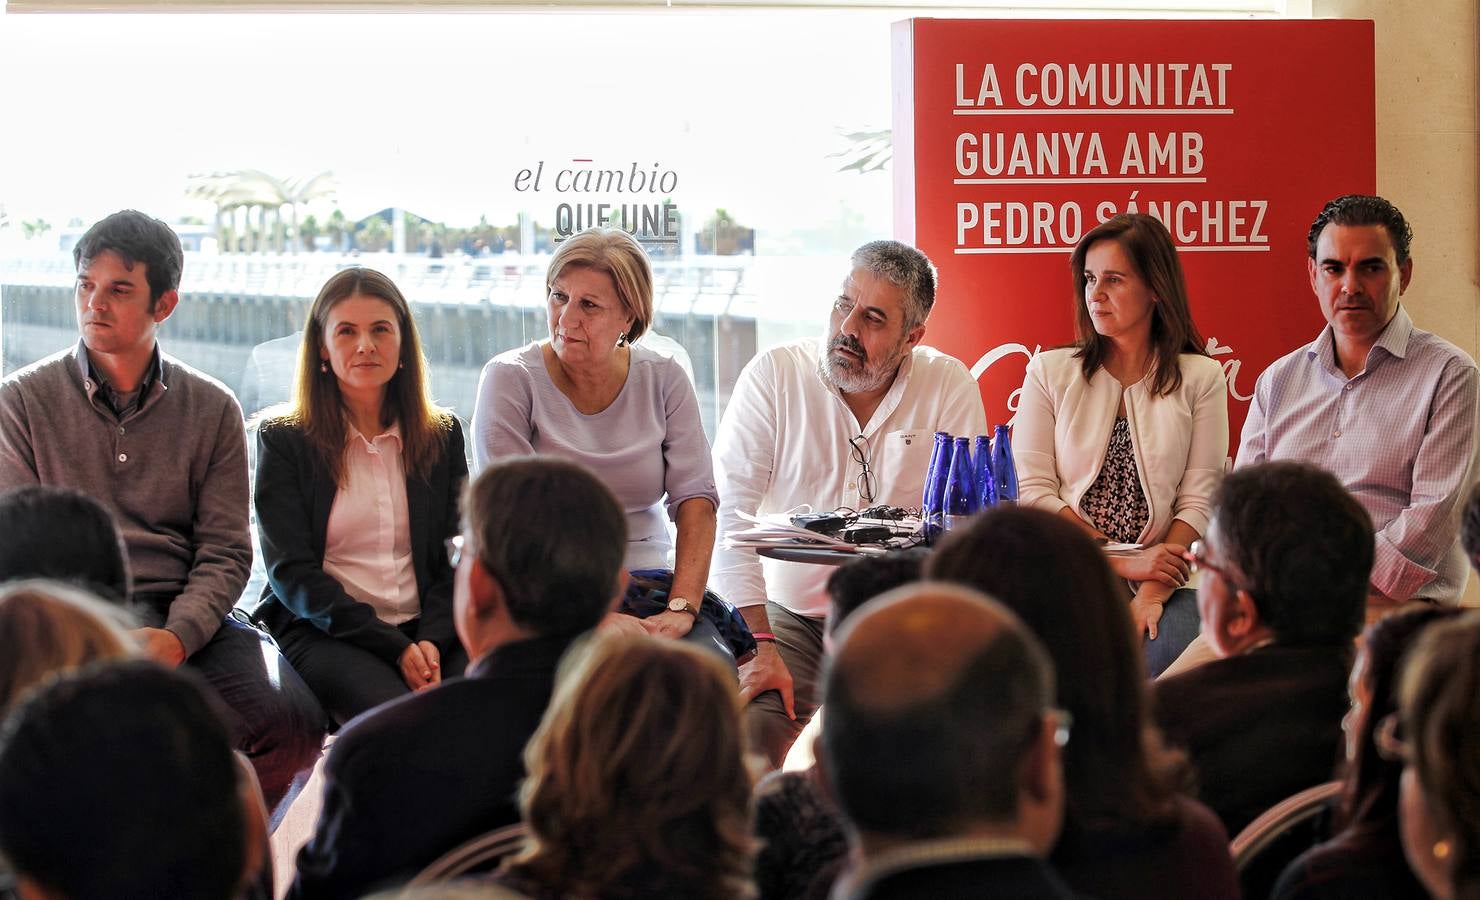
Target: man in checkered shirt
(1386, 407)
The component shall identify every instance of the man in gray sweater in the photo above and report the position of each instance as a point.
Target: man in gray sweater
(164, 448)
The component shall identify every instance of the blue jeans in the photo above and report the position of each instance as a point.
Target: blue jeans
(1178, 626)
(271, 714)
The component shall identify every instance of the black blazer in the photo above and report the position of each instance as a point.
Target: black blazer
(294, 495)
(413, 778)
(1259, 726)
(1006, 878)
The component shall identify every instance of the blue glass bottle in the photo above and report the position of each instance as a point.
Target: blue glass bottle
(960, 498)
(981, 473)
(1003, 470)
(935, 486)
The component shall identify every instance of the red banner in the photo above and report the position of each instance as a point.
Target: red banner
(1014, 138)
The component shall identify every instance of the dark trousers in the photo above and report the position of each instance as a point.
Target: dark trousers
(272, 715)
(347, 679)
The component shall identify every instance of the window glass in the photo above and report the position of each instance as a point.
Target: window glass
(449, 151)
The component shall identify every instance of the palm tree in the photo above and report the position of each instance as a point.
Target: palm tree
(340, 228)
(867, 151)
(308, 231)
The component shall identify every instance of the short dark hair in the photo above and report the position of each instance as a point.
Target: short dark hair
(1050, 573)
(62, 534)
(554, 537)
(119, 782)
(136, 238)
(1303, 547)
(861, 580)
(945, 760)
(1362, 209)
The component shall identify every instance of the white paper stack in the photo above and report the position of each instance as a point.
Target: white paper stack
(776, 530)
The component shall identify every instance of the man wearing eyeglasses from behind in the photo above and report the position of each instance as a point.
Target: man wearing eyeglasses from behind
(844, 421)
(1285, 564)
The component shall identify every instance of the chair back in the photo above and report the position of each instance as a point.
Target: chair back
(1284, 831)
(477, 855)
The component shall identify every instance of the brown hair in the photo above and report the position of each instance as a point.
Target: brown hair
(618, 254)
(1146, 241)
(317, 406)
(1048, 571)
(637, 783)
(1370, 795)
(1440, 702)
(48, 628)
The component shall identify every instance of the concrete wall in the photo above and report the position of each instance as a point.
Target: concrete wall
(1428, 147)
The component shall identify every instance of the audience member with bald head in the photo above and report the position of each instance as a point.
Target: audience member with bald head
(942, 747)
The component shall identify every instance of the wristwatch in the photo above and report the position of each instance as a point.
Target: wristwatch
(680, 604)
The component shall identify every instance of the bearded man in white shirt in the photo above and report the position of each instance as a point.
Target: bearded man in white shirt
(846, 421)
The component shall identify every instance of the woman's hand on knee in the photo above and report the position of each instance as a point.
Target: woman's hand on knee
(1147, 606)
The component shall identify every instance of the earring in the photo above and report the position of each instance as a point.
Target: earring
(402, 365)
(324, 367)
(1441, 850)
(622, 339)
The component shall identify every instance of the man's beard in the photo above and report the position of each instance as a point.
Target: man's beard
(856, 376)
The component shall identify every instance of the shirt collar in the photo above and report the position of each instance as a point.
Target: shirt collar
(916, 854)
(1393, 340)
(94, 380)
(393, 432)
(891, 397)
(537, 653)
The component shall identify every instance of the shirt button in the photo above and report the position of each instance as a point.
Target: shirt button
(120, 429)
(852, 486)
(1336, 434)
(1348, 387)
(123, 457)
(87, 383)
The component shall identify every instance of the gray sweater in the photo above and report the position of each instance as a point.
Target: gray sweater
(173, 471)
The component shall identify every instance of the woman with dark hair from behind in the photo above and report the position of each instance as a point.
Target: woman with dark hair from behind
(1126, 432)
(1129, 829)
(1364, 859)
(1437, 734)
(637, 784)
(62, 534)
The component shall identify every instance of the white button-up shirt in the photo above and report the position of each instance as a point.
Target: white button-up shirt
(783, 442)
(368, 545)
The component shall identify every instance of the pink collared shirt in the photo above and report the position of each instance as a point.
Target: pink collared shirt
(368, 545)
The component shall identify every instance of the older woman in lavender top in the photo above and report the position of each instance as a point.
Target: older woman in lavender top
(588, 394)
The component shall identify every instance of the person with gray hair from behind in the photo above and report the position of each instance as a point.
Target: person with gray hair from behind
(942, 747)
(844, 421)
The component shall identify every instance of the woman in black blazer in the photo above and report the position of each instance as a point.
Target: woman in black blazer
(357, 488)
